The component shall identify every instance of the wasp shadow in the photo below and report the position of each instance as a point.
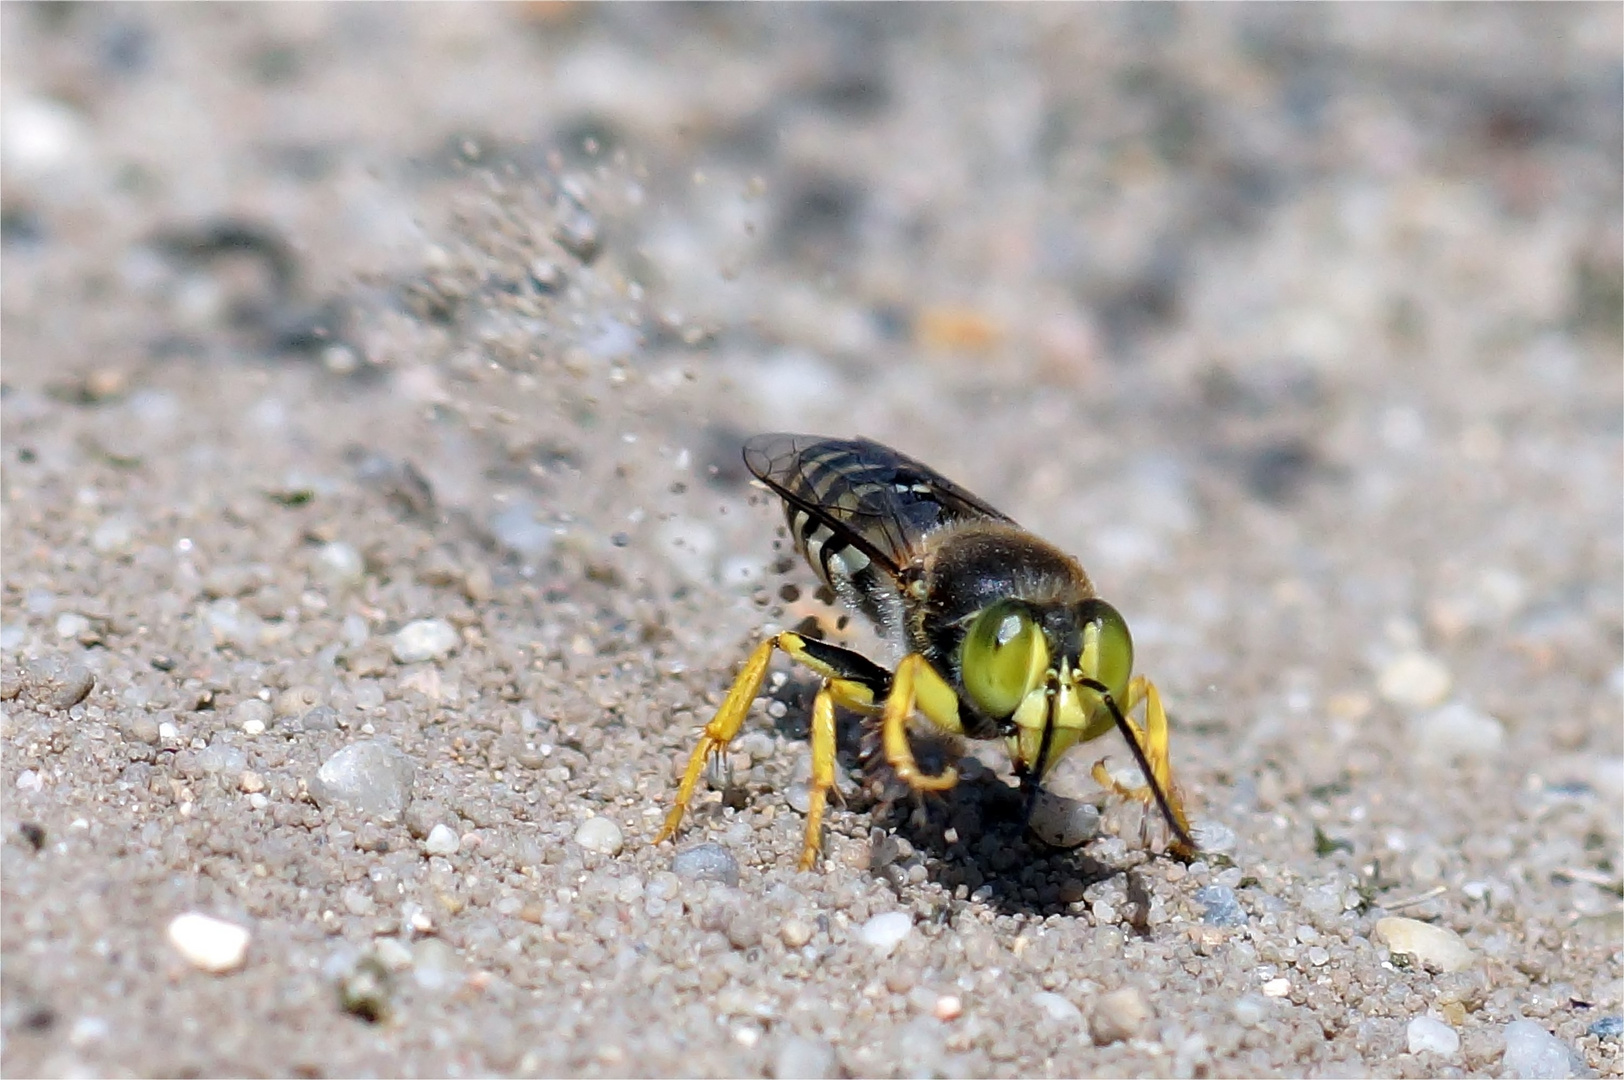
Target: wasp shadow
(972, 836)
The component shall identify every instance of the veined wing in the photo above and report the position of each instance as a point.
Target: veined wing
(868, 497)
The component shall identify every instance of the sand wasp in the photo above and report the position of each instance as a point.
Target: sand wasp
(1002, 634)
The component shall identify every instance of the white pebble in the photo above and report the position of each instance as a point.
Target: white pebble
(1415, 680)
(1432, 1036)
(1276, 988)
(1251, 1009)
(1458, 731)
(207, 943)
(425, 639)
(1532, 1053)
(798, 1057)
(1058, 1008)
(600, 834)
(29, 780)
(1118, 1015)
(372, 776)
(885, 932)
(339, 566)
(441, 841)
(1437, 947)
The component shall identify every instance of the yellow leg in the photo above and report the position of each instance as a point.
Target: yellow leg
(823, 774)
(1153, 739)
(720, 731)
(850, 680)
(916, 684)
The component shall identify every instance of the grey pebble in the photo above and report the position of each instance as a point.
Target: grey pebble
(75, 685)
(221, 758)
(251, 710)
(707, 862)
(424, 639)
(373, 777)
(1222, 906)
(1533, 1053)
(1608, 1027)
(813, 1059)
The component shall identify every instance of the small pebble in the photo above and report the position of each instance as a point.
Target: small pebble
(207, 943)
(600, 834)
(250, 782)
(1532, 1053)
(1608, 1027)
(706, 862)
(75, 684)
(885, 932)
(441, 841)
(949, 1007)
(339, 566)
(1064, 823)
(366, 991)
(1119, 1015)
(1058, 1008)
(1213, 837)
(795, 932)
(251, 711)
(1414, 680)
(1276, 988)
(813, 1059)
(1458, 731)
(425, 639)
(373, 777)
(1222, 906)
(1428, 1035)
(1437, 947)
(1251, 1009)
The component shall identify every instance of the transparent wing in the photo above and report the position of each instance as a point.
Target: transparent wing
(871, 497)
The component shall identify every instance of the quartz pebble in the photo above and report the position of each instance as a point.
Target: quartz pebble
(1458, 731)
(1428, 1035)
(442, 840)
(425, 639)
(1058, 1008)
(1276, 988)
(800, 1057)
(1533, 1053)
(1436, 947)
(1118, 1015)
(1414, 680)
(1222, 907)
(339, 566)
(600, 834)
(885, 932)
(373, 777)
(706, 862)
(207, 943)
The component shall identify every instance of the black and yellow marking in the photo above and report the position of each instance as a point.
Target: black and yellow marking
(1003, 634)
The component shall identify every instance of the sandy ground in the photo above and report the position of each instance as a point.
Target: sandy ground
(373, 385)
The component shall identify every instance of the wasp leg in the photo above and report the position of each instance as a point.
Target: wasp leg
(1153, 739)
(850, 680)
(917, 685)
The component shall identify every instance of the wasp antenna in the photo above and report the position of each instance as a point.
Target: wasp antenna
(1162, 803)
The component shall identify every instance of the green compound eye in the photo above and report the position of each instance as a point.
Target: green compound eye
(1107, 647)
(1003, 657)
